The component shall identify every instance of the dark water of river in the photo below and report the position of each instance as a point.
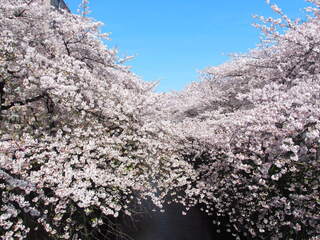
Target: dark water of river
(173, 225)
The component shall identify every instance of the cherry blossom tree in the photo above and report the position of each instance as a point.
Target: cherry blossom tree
(77, 145)
(253, 125)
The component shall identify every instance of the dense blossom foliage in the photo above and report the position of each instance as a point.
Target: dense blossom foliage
(254, 125)
(75, 142)
(82, 138)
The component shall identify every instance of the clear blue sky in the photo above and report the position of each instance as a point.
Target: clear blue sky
(173, 39)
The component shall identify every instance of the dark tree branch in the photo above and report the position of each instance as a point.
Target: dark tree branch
(25, 102)
(19, 14)
(1, 94)
(49, 103)
(67, 48)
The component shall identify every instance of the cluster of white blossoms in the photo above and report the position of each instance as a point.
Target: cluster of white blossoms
(77, 144)
(254, 125)
(83, 139)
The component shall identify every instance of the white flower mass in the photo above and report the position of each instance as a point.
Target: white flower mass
(82, 138)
